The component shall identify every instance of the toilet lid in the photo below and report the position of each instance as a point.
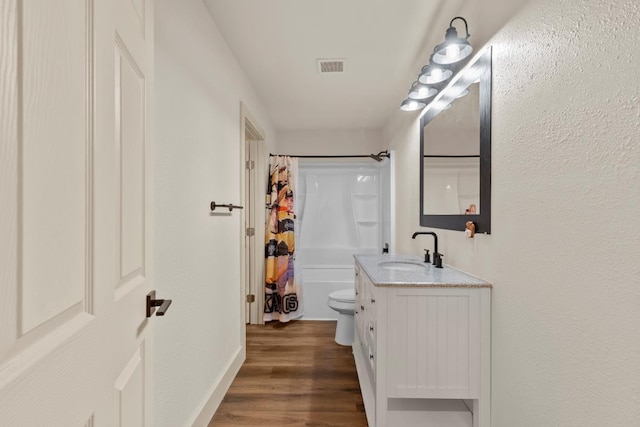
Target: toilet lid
(346, 295)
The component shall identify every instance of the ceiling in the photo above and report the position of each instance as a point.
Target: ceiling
(277, 43)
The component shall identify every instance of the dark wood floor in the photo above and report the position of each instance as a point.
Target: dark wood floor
(295, 375)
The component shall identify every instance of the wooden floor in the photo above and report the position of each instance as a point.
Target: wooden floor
(295, 375)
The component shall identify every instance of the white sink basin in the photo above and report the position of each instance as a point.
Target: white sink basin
(401, 265)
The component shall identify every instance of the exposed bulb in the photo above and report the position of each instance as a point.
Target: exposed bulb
(412, 104)
(421, 91)
(452, 51)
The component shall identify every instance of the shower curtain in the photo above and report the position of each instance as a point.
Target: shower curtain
(283, 292)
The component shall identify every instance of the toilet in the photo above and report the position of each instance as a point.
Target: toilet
(344, 303)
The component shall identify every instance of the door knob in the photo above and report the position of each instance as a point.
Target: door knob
(152, 303)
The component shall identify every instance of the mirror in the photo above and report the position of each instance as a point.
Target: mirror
(455, 152)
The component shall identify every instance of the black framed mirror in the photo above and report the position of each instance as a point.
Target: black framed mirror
(455, 152)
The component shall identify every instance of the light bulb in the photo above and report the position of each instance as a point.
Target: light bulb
(411, 105)
(421, 91)
(436, 73)
(452, 51)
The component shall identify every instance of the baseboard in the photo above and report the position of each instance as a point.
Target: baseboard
(220, 389)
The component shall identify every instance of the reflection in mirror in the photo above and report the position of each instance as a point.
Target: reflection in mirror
(452, 158)
(455, 149)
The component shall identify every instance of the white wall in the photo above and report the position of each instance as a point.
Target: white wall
(199, 87)
(329, 142)
(563, 253)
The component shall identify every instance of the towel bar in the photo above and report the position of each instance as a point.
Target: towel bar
(230, 206)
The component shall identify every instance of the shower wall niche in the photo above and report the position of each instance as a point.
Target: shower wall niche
(340, 212)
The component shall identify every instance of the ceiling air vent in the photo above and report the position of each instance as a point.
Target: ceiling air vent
(330, 66)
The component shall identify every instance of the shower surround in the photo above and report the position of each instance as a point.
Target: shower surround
(342, 210)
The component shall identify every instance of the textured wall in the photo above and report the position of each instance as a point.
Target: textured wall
(199, 87)
(563, 253)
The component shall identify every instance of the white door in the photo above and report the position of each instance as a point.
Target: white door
(75, 261)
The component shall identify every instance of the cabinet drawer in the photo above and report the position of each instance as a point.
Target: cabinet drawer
(371, 358)
(369, 301)
(370, 332)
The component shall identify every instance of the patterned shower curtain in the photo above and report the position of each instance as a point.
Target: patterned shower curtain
(283, 293)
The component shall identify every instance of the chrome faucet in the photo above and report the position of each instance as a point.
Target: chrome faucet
(437, 257)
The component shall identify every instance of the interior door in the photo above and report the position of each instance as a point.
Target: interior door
(75, 250)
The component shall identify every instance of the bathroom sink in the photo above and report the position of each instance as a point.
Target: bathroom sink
(401, 265)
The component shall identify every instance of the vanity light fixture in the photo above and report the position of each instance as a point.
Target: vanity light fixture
(454, 49)
(421, 91)
(443, 62)
(434, 74)
(412, 104)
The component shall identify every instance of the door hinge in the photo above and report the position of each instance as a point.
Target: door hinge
(251, 298)
(251, 231)
(250, 164)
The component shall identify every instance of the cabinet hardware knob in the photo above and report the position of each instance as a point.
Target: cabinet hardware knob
(362, 307)
(370, 356)
(373, 301)
(370, 328)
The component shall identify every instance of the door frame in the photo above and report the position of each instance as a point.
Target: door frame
(250, 129)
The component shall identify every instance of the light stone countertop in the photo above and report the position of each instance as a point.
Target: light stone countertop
(427, 277)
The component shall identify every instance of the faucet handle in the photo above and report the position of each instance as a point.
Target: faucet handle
(438, 260)
(426, 256)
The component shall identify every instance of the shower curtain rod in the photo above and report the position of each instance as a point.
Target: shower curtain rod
(377, 157)
(451, 156)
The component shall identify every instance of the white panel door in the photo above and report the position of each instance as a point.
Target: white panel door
(75, 140)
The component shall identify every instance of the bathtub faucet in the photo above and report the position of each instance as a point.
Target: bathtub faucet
(437, 257)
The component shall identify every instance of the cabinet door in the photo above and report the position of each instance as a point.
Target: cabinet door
(433, 351)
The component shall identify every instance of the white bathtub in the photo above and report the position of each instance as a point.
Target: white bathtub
(322, 273)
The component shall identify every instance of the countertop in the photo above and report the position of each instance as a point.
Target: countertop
(427, 277)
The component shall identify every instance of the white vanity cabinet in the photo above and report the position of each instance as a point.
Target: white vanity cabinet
(422, 345)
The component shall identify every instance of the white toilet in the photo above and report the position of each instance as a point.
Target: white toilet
(344, 303)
